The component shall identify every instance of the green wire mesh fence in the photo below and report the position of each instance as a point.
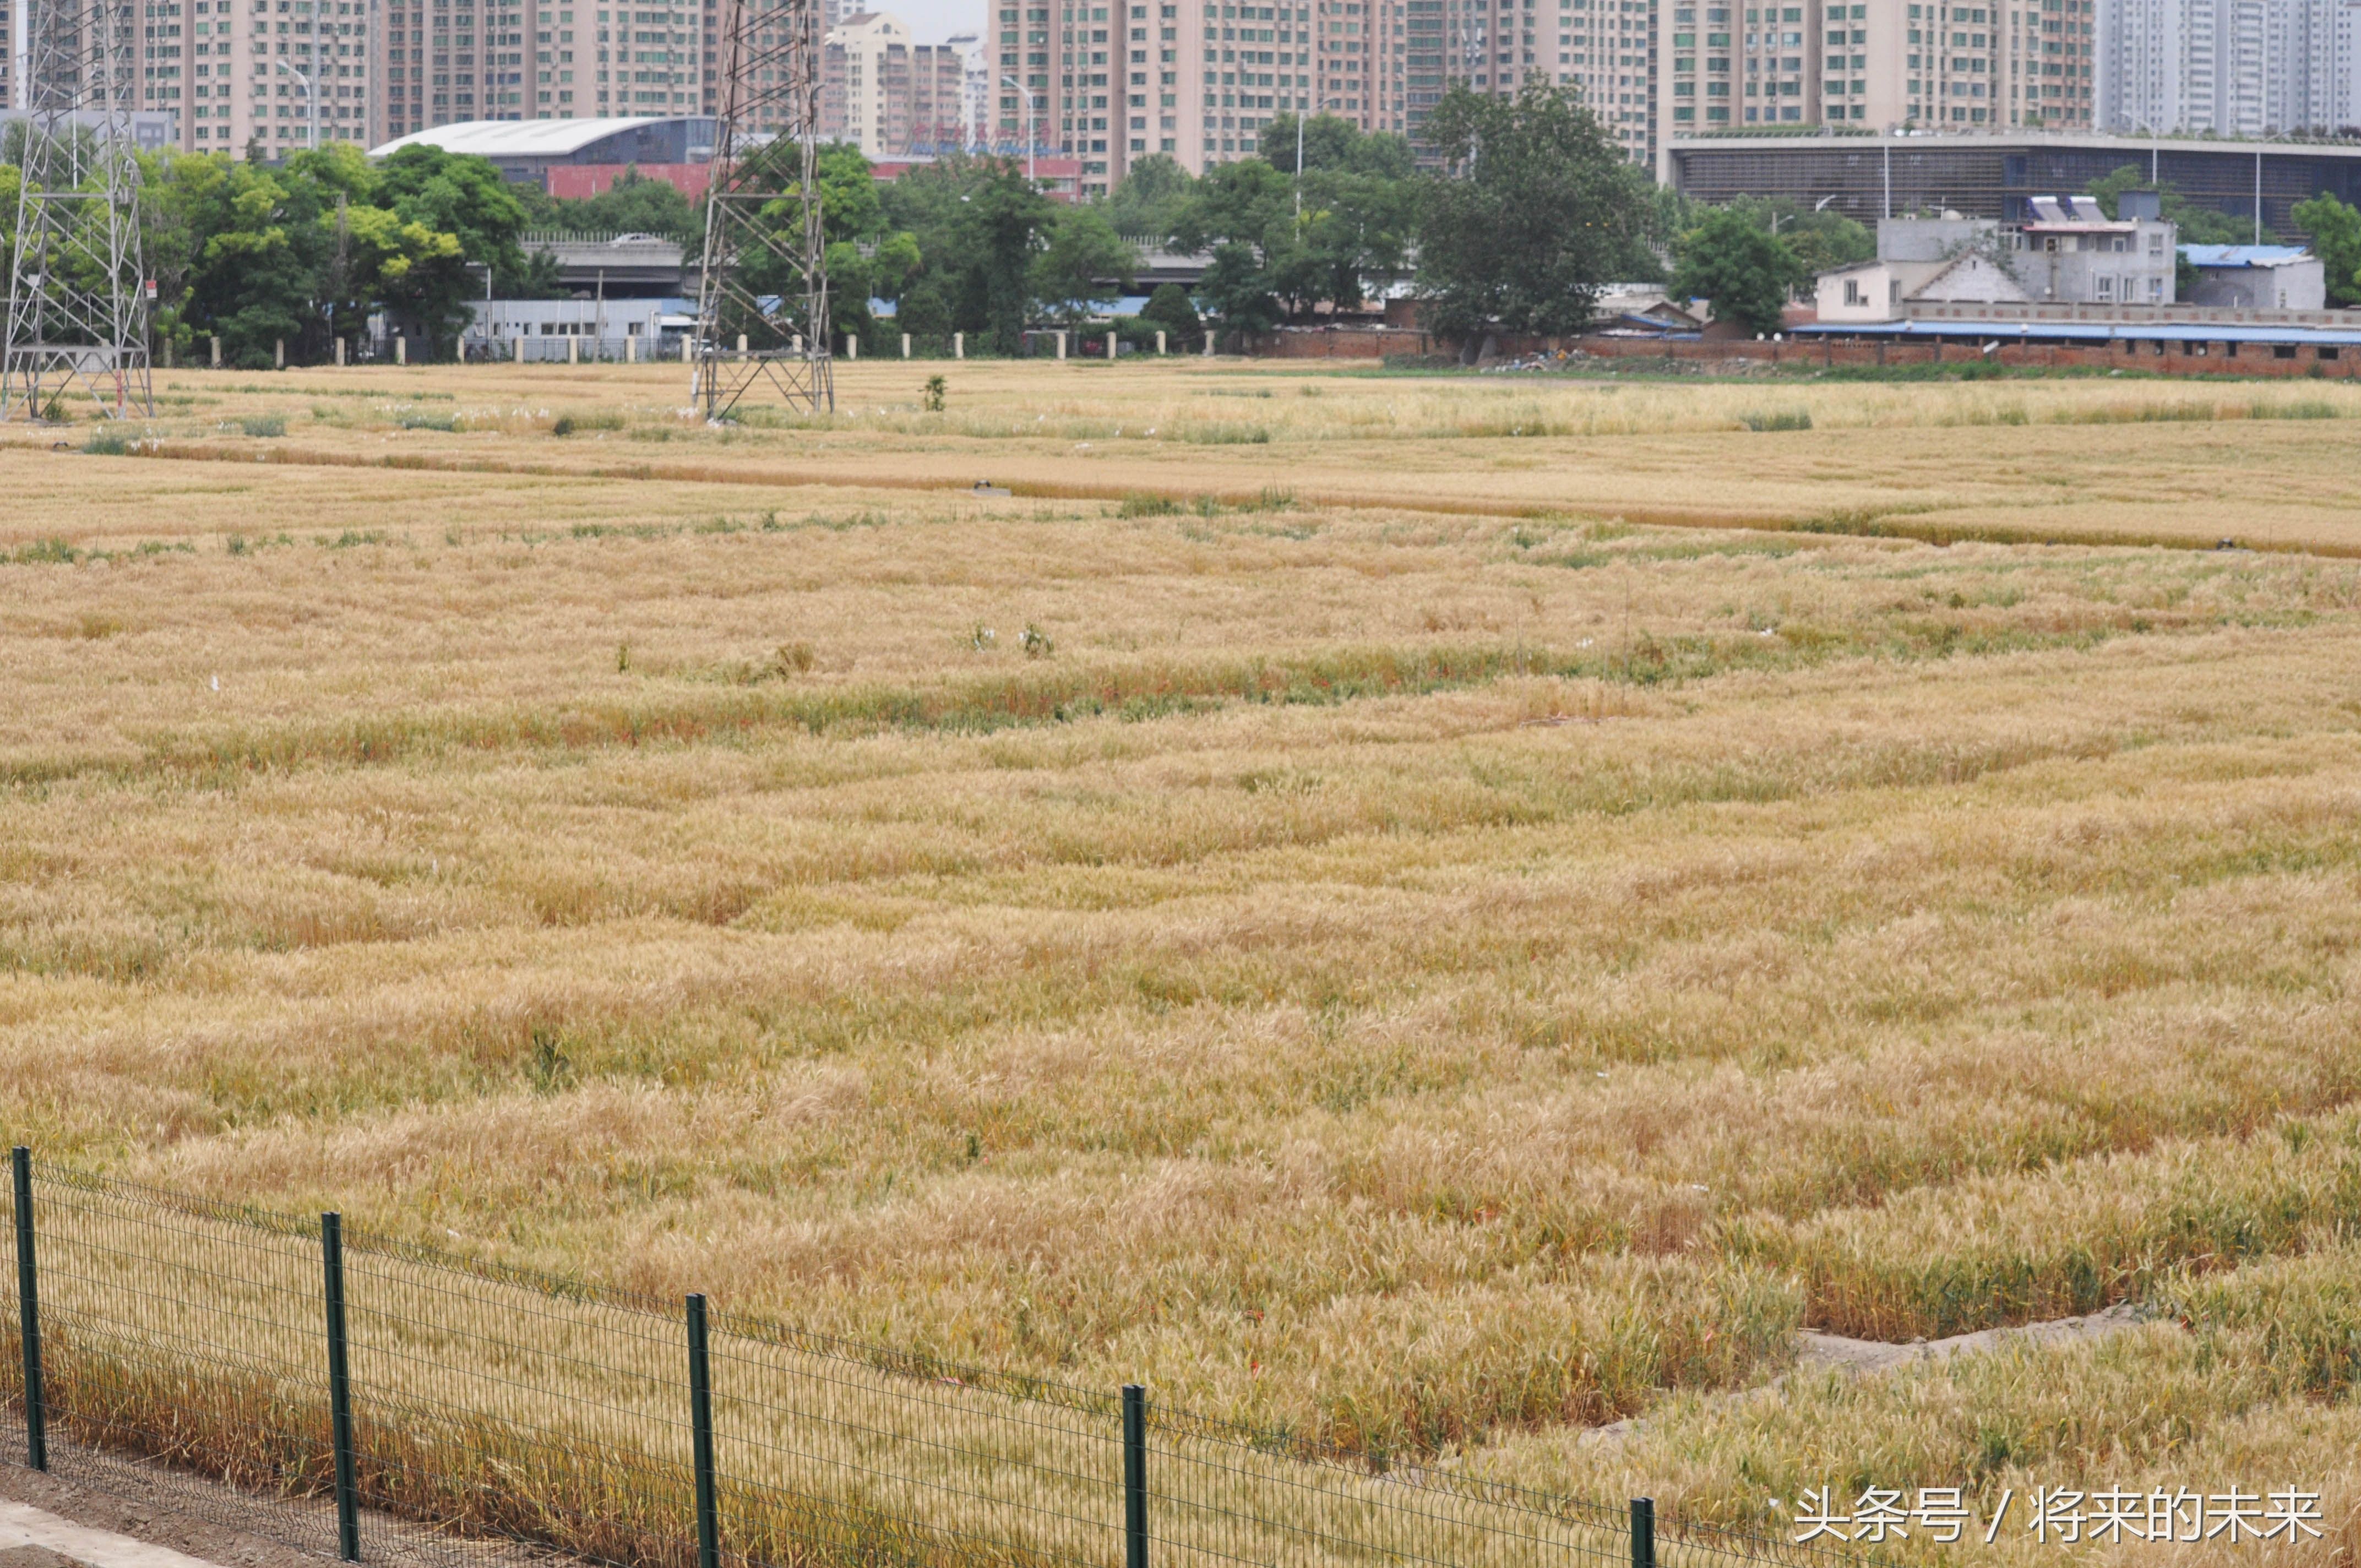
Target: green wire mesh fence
(365, 1399)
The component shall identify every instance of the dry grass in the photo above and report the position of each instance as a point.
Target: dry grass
(1428, 979)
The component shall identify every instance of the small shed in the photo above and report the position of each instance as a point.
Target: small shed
(2257, 277)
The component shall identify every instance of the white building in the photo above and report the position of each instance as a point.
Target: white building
(2069, 254)
(975, 102)
(2257, 277)
(889, 95)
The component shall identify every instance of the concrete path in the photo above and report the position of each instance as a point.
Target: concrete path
(28, 1534)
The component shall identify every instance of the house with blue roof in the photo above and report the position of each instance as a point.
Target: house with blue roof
(2257, 277)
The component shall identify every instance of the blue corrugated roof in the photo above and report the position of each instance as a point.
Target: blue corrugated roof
(2087, 332)
(2244, 255)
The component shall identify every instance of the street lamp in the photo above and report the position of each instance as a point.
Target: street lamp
(1300, 116)
(1032, 137)
(311, 100)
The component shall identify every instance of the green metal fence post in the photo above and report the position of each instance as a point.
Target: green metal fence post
(1135, 1475)
(1643, 1532)
(28, 1312)
(700, 1426)
(340, 1390)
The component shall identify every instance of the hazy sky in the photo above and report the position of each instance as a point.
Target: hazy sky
(932, 20)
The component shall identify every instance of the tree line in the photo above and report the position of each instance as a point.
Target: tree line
(1517, 214)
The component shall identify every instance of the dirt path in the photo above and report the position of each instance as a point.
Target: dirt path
(106, 1510)
(1860, 1358)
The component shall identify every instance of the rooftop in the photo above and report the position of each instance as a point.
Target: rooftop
(2244, 254)
(517, 139)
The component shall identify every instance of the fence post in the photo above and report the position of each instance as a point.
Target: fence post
(340, 1390)
(28, 1312)
(700, 1426)
(1135, 1475)
(1643, 1532)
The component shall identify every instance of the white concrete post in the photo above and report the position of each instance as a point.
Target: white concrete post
(959, 344)
(630, 348)
(1159, 345)
(799, 343)
(1209, 343)
(216, 352)
(1111, 343)
(278, 352)
(742, 345)
(400, 349)
(1061, 345)
(573, 350)
(340, 354)
(852, 346)
(906, 346)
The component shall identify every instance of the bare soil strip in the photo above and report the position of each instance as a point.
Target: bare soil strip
(1817, 1352)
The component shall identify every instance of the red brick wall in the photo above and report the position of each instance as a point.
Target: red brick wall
(579, 181)
(2252, 359)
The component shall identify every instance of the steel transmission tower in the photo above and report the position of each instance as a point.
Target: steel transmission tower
(77, 295)
(765, 278)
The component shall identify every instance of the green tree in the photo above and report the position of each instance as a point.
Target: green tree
(1740, 266)
(466, 198)
(1083, 257)
(1170, 309)
(1359, 197)
(2336, 231)
(1821, 240)
(976, 262)
(455, 193)
(1148, 202)
(406, 266)
(257, 255)
(1243, 213)
(2198, 225)
(867, 257)
(168, 183)
(632, 205)
(1533, 212)
(1004, 223)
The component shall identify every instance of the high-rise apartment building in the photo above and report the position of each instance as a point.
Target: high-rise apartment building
(1193, 79)
(1198, 80)
(975, 100)
(1885, 64)
(236, 75)
(2230, 67)
(506, 60)
(887, 95)
(1605, 48)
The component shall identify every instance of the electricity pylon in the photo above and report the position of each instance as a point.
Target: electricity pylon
(77, 291)
(764, 283)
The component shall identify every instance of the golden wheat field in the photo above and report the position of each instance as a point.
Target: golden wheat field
(1439, 913)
